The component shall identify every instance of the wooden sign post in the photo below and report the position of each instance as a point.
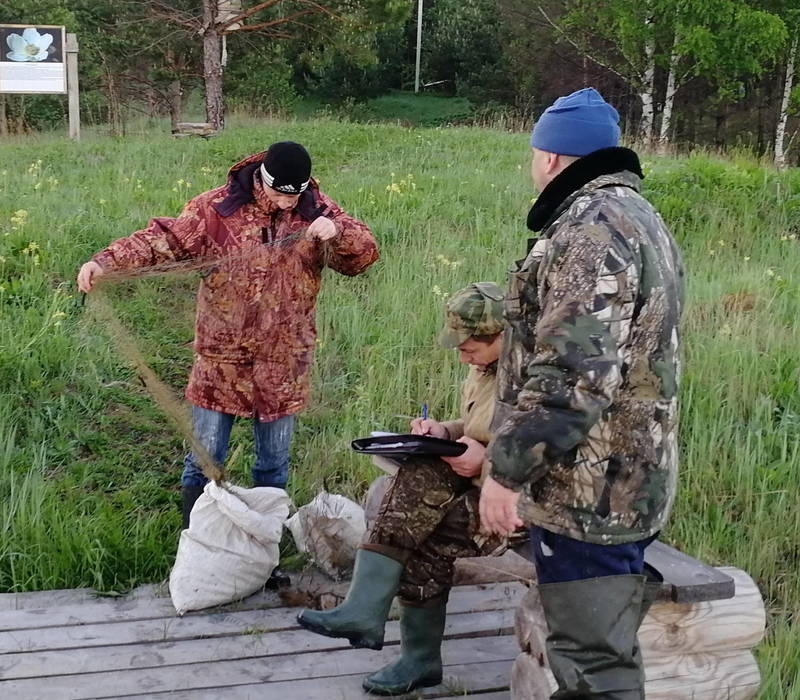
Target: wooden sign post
(72, 88)
(42, 60)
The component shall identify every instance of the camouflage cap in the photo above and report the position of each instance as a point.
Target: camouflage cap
(472, 311)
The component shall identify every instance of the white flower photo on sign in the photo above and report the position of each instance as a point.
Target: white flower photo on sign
(28, 46)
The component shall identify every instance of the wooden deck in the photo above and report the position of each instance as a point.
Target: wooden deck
(59, 645)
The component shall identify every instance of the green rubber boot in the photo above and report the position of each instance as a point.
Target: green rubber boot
(361, 617)
(420, 662)
(592, 646)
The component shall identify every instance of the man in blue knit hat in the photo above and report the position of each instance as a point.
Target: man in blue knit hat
(585, 442)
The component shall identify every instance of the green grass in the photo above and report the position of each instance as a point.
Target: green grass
(89, 470)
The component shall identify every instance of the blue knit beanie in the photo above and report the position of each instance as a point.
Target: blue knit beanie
(577, 125)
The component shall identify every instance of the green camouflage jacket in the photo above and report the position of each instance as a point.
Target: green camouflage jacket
(586, 418)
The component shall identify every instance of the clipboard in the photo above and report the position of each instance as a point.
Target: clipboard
(408, 446)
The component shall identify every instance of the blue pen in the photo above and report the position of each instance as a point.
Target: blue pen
(424, 411)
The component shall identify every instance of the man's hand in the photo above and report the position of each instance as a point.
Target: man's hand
(322, 229)
(428, 426)
(88, 275)
(498, 508)
(469, 464)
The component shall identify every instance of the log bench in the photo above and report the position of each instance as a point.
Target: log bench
(202, 129)
(697, 638)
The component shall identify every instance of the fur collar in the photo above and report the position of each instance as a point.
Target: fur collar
(606, 161)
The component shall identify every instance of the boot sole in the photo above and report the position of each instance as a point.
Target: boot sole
(355, 640)
(400, 690)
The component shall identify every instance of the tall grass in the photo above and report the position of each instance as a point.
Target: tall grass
(89, 470)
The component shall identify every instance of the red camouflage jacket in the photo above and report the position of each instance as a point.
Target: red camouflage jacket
(254, 331)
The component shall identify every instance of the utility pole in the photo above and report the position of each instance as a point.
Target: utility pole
(419, 43)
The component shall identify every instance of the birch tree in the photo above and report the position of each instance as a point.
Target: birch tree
(790, 97)
(726, 42)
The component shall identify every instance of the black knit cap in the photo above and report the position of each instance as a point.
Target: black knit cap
(286, 167)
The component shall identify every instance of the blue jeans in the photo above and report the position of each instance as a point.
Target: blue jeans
(559, 559)
(272, 441)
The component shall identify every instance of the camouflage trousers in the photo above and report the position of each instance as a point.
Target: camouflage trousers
(431, 513)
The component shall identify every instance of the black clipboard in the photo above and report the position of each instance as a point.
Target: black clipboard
(409, 446)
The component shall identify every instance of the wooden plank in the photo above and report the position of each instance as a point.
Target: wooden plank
(142, 607)
(231, 672)
(175, 628)
(126, 609)
(691, 580)
(686, 579)
(460, 680)
(44, 599)
(38, 664)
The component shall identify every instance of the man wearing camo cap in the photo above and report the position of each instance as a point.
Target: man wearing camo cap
(428, 516)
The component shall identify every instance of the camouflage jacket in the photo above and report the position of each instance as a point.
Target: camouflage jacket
(586, 415)
(254, 330)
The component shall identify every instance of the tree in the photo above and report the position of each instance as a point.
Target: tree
(790, 96)
(724, 41)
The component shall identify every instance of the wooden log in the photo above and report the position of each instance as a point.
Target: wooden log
(508, 567)
(716, 676)
(715, 625)
(690, 650)
(203, 129)
(529, 623)
(530, 680)
(674, 628)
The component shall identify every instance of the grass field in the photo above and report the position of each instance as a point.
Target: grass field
(89, 470)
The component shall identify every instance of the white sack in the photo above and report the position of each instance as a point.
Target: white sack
(294, 526)
(329, 529)
(230, 548)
